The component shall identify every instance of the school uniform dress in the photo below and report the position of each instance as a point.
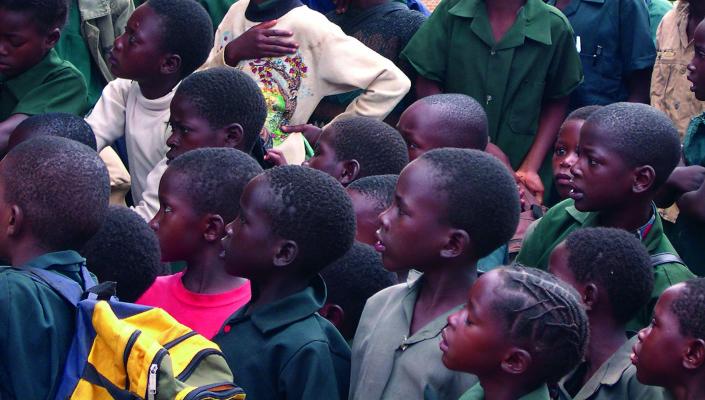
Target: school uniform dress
(478, 393)
(285, 350)
(388, 363)
(564, 218)
(615, 379)
(36, 328)
(536, 60)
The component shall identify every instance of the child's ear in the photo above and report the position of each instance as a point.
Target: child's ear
(333, 313)
(171, 64)
(694, 357)
(517, 361)
(349, 172)
(644, 177)
(52, 38)
(458, 242)
(214, 228)
(590, 294)
(286, 253)
(234, 135)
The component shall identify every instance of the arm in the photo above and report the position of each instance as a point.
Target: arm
(7, 127)
(108, 116)
(426, 87)
(149, 205)
(315, 372)
(636, 48)
(682, 180)
(693, 204)
(639, 83)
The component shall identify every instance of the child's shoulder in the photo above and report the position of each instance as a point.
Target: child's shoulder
(388, 297)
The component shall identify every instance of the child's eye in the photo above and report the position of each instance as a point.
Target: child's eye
(412, 145)
(560, 151)
(131, 39)
(167, 209)
(592, 161)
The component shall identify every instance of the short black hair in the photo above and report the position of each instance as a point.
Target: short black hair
(482, 197)
(464, 120)
(47, 14)
(312, 209)
(216, 178)
(124, 250)
(378, 147)
(61, 124)
(642, 135)
(354, 278)
(688, 307)
(582, 113)
(379, 188)
(62, 187)
(545, 315)
(224, 96)
(618, 262)
(187, 30)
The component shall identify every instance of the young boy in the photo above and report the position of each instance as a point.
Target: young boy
(521, 329)
(35, 80)
(42, 224)
(370, 196)
(350, 281)
(517, 58)
(627, 151)
(293, 221)
(196, 197)
(671, 351)
(443, 219)
(164, 41)
(611, 271)
(325, 61)
(125, 250)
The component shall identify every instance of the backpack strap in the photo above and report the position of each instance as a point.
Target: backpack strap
(665, 258)
(66, 287)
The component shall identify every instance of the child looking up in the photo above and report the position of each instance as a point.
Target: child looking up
(53, 198)
(370, 196)
(293, 222)
(444, 218)
(35, 80)
(611, 271)
(671, 351)
(627, 151)
(196, 197)
(164, 41)
(521, 329)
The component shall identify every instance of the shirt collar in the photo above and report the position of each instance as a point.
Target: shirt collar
(648, 238)
(19, 84)
(93, 9)
(478, 393)
(67, 258)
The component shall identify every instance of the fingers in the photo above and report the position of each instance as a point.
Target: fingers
(294, 128)
(265, 24)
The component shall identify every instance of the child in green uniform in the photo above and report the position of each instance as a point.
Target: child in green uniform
(517, 58)
(611, 270)
(293, 221)
(521, 329)
(671, 351)
(43, 223)
(33, 78)
(627, 151)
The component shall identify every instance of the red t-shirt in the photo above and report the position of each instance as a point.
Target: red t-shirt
(204, 313)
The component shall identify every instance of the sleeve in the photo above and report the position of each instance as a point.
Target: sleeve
(223, 35)
(565, 72)
(108, 116)
(149, 205)
(311, 374)
(119, 177)
(636, 44)
(63, 91)
(427, 51)
(532, 247)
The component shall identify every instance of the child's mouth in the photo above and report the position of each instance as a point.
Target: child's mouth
(379, 244)
(443, 344)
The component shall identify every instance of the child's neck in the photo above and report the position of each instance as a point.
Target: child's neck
(630, 218)
(506, 388)
(502, 14)
(606, 337)
(25, 251)
(692, 389)
(275, 288)
(158, 88)
(207, 275)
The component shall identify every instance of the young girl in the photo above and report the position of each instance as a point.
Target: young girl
(520, 329)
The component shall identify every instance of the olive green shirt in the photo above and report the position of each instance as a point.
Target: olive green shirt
(615, 379)
(52, 85)
(536, 60)
(478, 393)
(564, 218)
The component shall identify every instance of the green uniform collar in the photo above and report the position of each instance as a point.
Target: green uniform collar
(68, 259)
(478, 393)
(94, 9)
(19, 84)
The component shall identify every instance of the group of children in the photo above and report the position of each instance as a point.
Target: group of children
(375, 269)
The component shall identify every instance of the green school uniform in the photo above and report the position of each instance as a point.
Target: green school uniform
(564, 218)
(534, 61)
(52, 85)
(478, 393)
(615, 379)
(36, 328)
(216, 8)
(285, 350)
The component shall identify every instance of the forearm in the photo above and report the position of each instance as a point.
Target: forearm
(692, 204)
(638, 84)
(7, 127)
(425, 87)
(552, 114)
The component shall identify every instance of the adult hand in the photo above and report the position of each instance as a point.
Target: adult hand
(276, 157)
(312, 133)
(686, 179)
(260, 41)
(532, 181)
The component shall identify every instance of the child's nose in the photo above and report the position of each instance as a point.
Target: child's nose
(643, 333)
(570, 160)
(154, 224)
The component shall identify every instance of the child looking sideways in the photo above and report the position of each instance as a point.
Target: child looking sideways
(521, 329)
(671, 351)
(444, 218)
(370, 196)
(611, 271)
(196, 202)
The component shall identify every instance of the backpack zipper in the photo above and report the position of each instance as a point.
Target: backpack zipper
(153, 375)
(126, 354)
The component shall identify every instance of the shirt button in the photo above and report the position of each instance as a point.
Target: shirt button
(489, 98)
(492, 52)
(226, 328)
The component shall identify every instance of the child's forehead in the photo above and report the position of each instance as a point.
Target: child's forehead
(17, 21)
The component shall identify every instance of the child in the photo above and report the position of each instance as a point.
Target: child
(197, 195)
(164, 41)
(43, 223)
(293, 222)
(627, 151)
(219, 107)
(671, 351)
(35, 79)
(517, 58)
(325, 62)
(611, 270)
(521, 329)
(370, 196)
(350, 281)
(444, 217)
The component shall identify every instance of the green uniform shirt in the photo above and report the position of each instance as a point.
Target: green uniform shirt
(534, 61)
(564, 218)
(36, 328)
(285, 350)
(52, 85)
(216, 8)
(478, 393)
(615, 379)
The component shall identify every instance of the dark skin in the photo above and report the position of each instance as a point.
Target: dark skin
(696, 13)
